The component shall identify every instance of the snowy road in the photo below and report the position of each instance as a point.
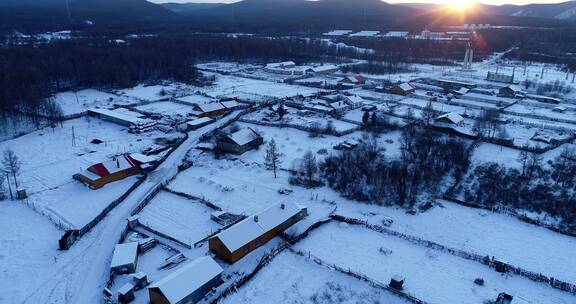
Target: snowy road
(80, 274)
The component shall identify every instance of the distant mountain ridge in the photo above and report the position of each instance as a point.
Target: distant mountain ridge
(273, 15)
(559, 11)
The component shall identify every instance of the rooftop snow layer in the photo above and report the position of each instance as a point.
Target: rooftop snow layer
(243, 136)
(248, 229)
(124, 254)
(189, 278)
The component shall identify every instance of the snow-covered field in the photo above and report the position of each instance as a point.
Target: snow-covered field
(51, 156)
(166, 108)
(27, 247)
(185, 220)
(433, 276)
(231, 86)
(482, 232)
(292, 279)
(81, 101)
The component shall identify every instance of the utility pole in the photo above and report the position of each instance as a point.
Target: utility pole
(573, 77)
(542, 74)
(525, 66)
(73, 137)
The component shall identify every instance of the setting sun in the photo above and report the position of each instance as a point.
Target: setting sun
(460, 5)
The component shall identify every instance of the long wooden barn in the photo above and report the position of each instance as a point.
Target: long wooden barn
(244, 237)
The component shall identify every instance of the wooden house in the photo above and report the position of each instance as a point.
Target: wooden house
(98, 175)
(188, 284)
(126, 293)
(211, 110)
(245, 236)
(402, 89)
(241, 141)
(511, 91)
(125, 258)
(449, 120)
(353, 80)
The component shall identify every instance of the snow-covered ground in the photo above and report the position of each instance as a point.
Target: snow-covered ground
(27, 247)
(293, 280)
(433, 276)
(231, 86)
(185, 220)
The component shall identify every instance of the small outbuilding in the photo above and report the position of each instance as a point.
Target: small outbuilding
(504, 298)
(353, 80)
(125, 258)
(449, 120)
(188, 284)
(402, 89)
(511, 91)
(241, 141)
(211, 110)
(245, 236)
(199, 123)
(397, 282)
(126, 293)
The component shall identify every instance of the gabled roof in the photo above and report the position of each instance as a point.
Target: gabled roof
(187, 279)
(243, 136)
(455, 118)
(248, 229)
(280, 64)
(210, 107)
(405, 86)
(122, 162)
(124, 254)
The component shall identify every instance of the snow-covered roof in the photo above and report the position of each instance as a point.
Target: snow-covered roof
(406, 86)
(195, 99)
(117, 115)
(248, 229)
(121, 163)
(243, 136)
(230, 104)
(324, 68)
(187, 279)
(365, 34)
(280, 64)
(338, 33)
(210, 107)
(355, 99)
(124, 254)
(126, 288)
(199, 121)
(396, 34)
(514, 88)
(143, 159)
(453, 117)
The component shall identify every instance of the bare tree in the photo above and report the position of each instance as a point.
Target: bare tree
(11, 164)
(309, 167)
(488, 123)
(429, 114)
(272, 160)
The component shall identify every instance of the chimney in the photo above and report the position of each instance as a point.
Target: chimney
(118, 163)
(256, 218)
(282, 206)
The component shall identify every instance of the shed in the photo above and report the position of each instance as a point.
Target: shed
(402, 89)
(125, 258)
(511, 91)
(354, 101)
(504, 298)
(245, 236)
(241, 141)
(352, 80)
(231, 105)
(451, 119)
(199, 123)
(188, 284)
(140, 280)
(545, 99)
(119, 117)
(211, 110)
(126, 293)
(397, 282)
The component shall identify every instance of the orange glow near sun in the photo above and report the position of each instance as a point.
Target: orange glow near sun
(460, 5)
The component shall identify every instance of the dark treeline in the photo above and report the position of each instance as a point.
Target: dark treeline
(535, 186)
(427, 158)
(374, 68)
(38, 71)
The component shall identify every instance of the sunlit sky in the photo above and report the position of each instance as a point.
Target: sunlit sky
(494, 2)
